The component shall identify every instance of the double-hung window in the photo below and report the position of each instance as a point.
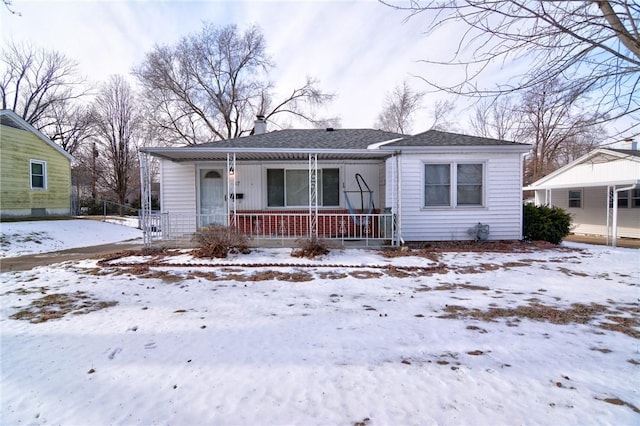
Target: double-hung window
(38, 174)
(629, 199)
(290, 187)
(575, 198)
(454, 184)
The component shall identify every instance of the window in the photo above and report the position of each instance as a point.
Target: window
(623, 199)
(38, 173)
(629, 199)
(469, 184)
(635, 198)
(290, 188)
(575, 198)
(437, 186)
(467, 179)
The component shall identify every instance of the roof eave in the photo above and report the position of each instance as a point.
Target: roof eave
(170, 153)
(626, 182)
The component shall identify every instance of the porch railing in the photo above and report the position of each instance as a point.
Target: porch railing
(360, 228)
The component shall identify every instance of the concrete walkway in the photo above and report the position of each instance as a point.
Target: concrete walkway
(622, 242)
(24, 263)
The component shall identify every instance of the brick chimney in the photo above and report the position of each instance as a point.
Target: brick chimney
(260, 125)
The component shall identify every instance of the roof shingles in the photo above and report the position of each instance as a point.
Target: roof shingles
(309, 138)
(439, 138)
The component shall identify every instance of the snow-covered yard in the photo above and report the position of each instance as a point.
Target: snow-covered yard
(354, 338)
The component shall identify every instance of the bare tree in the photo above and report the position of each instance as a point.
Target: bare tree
(117, 123)
(9, 5)
(556, 124)
(400, 105)
(496, 119)
(592, 46)
(442, 111)
(210, 85)
(69, 125)
(36, 81)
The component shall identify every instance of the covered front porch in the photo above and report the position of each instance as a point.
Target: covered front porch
(274, 198)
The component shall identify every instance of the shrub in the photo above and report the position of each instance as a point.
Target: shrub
(545, 223)
(219, 241)
(311, 248)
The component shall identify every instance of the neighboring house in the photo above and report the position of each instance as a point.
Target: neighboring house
(601, 191)
(35, 173)
(346, 184)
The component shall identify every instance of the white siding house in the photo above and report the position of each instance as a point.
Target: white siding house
(349, 184)
(601, 191)
(480, 182)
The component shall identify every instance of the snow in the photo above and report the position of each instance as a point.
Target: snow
(232, 345)
(33, 237)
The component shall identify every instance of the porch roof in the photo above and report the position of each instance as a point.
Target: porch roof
(288, 144)
(202, 153)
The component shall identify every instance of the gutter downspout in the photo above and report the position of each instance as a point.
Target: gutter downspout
(400, 240)
(614, 238)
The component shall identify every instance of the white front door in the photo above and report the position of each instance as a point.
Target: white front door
(213, 209)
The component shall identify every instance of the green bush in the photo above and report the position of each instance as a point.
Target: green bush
(544, 223)
(219, 241)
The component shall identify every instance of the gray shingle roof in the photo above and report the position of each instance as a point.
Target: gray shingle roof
(309, 138)
(632, 152)
(438, 138)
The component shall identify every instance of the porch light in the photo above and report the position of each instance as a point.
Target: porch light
(231, 171)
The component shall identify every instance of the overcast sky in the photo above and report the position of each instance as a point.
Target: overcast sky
(358, 50)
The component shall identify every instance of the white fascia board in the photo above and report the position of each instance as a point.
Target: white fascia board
(537, 187)
(224, 150)
(379, 144)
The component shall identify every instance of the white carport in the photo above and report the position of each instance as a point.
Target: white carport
(597, 181)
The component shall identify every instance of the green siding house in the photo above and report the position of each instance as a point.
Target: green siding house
(35, 173)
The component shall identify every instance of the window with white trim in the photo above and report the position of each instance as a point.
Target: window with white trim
(454, 184)
(38, 174)
(629, 199)
(635, 198)
(290, 187)
(575, 198)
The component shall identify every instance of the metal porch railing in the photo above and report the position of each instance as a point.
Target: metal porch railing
(358, 229)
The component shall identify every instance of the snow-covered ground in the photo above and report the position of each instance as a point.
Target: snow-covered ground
(544, 337)
(32, 237)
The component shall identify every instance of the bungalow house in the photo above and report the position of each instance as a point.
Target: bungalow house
(601, 190)
(35, 173)
(359, 185)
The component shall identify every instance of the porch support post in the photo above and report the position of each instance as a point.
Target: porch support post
(614, 236)
(313, 195)
(609, 204)
(398, 212)
(231, 189)
(614, 239)
(145, 198)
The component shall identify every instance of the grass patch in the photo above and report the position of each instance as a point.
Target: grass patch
(56, 306)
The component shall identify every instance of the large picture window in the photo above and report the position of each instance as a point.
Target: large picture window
(38, 174)
(454, 184)
(290, 187)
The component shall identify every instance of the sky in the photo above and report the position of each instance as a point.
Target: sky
(358, 50)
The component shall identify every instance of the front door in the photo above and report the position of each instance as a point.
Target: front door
(213, 210)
